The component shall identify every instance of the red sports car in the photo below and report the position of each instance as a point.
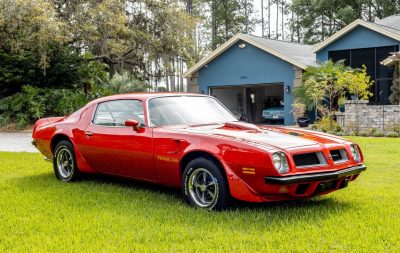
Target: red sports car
(193, 142)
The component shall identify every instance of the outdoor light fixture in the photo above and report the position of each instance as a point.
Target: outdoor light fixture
(242, 45)
(287, 88)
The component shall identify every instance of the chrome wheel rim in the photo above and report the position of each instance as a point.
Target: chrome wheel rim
(65, 164)
(203, 187)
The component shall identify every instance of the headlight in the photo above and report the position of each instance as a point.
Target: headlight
(355, 152)
(280, 162)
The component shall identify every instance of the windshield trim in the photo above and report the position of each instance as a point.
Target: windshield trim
(150, 124)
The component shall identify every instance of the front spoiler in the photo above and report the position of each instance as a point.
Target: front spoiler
(321, 176)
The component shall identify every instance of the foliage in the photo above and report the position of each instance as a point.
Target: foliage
(65, 70)
(394, 97)
(357, 82)
(393, 134)
(325, 76)
(331, 80)
(353, 128)
(394, 128)
(33, 103)
(325, 124)
(342, 101)
(124, 83)
(320, 19)
(32, 26)
(298, 110)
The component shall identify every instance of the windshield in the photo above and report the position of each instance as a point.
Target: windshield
(187, 110)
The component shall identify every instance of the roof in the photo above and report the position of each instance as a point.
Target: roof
(299, 55)
(389, 27)
(391, 60)
(391, 24)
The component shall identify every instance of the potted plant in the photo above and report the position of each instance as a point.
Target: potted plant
(341, 103)
(299, 110)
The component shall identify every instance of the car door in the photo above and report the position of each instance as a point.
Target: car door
(111, 147)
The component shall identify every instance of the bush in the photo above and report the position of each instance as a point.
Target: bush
(34, 103)
(394, 128)
(393, 134)
(353, 129)
(324, 125)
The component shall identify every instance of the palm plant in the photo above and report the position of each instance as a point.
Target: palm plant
(124, 83)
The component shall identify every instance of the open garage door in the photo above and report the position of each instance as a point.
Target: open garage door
(253, 103)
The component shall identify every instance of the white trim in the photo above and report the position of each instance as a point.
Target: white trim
(188, 73)
(351, 26)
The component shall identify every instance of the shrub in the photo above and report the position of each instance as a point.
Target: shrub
(34, 103)
(393, 134)
(324, 125)
(394, 128)
(353, 128)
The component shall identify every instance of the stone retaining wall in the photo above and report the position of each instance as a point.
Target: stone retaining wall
(359, 113)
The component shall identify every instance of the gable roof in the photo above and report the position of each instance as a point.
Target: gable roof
(389, 27)
(299, 55)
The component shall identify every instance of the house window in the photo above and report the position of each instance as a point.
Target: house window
(371, 58)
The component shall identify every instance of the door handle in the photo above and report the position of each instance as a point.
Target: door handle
(88, 133)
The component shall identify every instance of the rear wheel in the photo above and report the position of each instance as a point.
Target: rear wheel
(204, 185)
(64, 162)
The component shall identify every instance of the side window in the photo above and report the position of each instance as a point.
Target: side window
(116, 112)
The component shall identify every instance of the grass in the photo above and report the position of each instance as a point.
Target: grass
(40, 214)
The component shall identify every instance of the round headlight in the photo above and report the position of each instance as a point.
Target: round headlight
(355, 153)
(280, 162)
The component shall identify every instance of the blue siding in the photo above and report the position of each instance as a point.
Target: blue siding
(248, 66)
(359, 37)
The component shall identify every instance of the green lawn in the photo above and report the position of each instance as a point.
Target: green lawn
(38, 213)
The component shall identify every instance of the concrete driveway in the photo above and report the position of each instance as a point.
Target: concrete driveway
(16, 142)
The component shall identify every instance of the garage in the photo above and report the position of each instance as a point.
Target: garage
(253, 103)
(253, 77)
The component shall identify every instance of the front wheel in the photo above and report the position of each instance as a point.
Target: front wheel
(64, 162)
(204, 185)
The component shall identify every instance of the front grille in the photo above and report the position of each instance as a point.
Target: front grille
(338, 155)
(309, 159)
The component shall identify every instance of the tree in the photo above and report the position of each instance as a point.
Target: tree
(331, 80)
(315, 91)
(229, 17)
(394, 98)
(356, 81)
(320, 19)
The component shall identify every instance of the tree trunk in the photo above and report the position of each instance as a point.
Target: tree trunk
(282, 18)
(213, 25)
(246, 14)
(277, 19)
(292, 28)
(269, 19)
(298, 28)
(262, 18)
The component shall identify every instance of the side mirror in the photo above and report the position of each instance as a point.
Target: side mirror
(132, 123)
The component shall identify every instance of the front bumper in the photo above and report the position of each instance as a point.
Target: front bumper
(314, 177)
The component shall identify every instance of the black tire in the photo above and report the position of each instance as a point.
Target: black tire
(215, 196)
(66, 171)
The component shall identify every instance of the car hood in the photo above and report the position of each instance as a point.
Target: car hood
(252, 134)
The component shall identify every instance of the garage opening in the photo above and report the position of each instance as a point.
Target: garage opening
(262, 103)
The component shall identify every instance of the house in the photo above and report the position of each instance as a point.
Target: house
(249, 73)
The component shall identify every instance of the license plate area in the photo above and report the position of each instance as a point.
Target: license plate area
(326, 186)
